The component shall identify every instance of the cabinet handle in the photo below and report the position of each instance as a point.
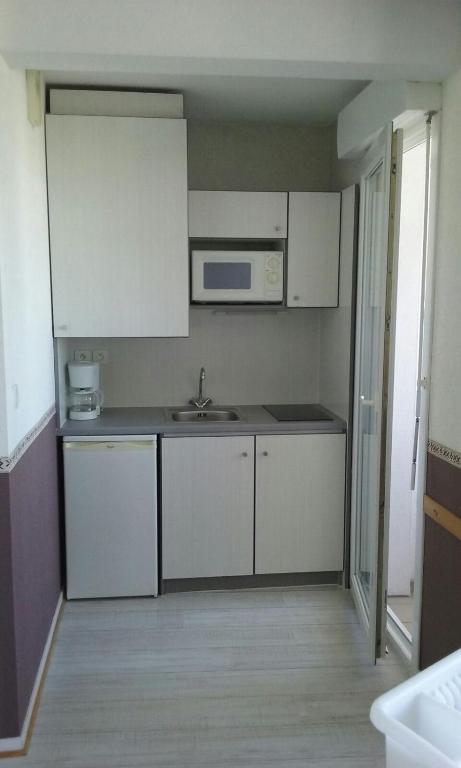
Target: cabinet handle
(244, 454)
(295, 298)
(265, 453)
(277, 228)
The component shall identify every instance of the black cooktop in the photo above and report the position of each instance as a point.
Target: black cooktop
(303, 412)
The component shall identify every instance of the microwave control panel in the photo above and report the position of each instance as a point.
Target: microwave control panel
(273, 276)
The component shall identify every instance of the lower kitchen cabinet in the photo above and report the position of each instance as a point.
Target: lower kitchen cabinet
(207, 506)
(299, 522)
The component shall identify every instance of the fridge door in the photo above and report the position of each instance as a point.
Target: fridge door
(111, 516)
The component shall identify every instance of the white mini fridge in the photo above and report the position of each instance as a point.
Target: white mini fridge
(111, 516)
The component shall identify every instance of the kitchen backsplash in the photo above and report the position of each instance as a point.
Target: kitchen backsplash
(249, 358)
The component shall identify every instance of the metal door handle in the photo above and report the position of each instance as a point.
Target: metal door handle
(415, 455)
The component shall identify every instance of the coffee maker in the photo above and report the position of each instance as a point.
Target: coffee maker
(85, 396)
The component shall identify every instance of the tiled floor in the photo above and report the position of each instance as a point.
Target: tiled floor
(403, 607)
(211, 680)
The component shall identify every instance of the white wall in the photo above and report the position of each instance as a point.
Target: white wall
(28, 386)
(445, 399)
(379, 104)
(249, 358)
(363, 39)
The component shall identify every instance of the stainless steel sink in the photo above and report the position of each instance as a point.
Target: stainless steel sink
(200, 416)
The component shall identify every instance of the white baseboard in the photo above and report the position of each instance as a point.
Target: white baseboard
(17, 743)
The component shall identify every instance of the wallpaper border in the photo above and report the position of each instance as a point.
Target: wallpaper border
(443, 452)
(7, 463)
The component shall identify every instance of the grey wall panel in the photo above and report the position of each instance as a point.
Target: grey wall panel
(249, 358)
(260, 156)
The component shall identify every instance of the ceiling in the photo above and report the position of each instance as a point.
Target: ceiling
(277, 60)
(207, 97)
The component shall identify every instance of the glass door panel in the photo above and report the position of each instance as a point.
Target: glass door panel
(368, 393)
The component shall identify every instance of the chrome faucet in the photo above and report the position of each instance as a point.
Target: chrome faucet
(200, 401)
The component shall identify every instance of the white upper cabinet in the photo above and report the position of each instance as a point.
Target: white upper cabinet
(246, 215)
(117, 191)
(313, 249)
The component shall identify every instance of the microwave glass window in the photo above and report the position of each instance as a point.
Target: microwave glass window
(222, 276)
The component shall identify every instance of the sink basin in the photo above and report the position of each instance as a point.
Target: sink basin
(205, 415)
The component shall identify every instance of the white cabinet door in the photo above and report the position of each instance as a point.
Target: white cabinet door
(207, 506)
(117, 190)
(299, 503)
(313, 249)
(238, 214)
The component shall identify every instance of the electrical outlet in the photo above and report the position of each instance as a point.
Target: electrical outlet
(100, 356)
(83, 355)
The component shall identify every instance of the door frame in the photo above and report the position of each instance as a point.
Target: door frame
(369, 619)
(410, 651)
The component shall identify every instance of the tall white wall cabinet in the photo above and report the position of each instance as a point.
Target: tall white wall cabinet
(118, 225)
(313, 249)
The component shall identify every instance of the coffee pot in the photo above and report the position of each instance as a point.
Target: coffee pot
(85, 395)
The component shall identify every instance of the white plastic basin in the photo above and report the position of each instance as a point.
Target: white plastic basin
(421, 718)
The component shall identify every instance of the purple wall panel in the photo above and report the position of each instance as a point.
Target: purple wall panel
(443, 483)
(441, 600)
(440, 617)
(9, 725)
(34, 560)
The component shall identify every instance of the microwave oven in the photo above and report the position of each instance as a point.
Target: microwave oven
(239, 277)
